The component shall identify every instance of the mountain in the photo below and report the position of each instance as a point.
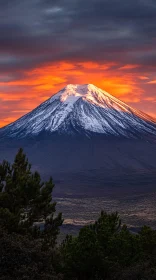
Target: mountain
(85, 138)
(84, 110)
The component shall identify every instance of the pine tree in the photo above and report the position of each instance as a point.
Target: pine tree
(26, 203)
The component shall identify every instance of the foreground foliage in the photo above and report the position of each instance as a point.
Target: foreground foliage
(26, 202)
(108, 250)
(23, 259)
(104, 250)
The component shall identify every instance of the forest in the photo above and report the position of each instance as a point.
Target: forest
(30, 247)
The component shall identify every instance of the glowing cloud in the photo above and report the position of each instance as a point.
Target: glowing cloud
(22, 95)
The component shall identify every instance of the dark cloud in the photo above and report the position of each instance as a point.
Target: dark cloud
(36, 31)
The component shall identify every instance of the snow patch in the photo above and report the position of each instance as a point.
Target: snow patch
(82, 108)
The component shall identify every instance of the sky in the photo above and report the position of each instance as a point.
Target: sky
(47, 44)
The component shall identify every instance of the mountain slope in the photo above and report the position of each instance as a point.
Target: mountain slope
(83, 110)
(83, 130)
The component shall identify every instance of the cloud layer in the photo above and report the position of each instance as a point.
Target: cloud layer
(45, 44)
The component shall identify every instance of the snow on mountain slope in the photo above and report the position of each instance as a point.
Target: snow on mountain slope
(83, 109)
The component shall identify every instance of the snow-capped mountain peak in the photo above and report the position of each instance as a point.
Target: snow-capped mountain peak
(83, 109)
(90, 93)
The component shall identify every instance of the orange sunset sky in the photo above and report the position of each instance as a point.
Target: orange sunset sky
(45, 45)
(20, 96)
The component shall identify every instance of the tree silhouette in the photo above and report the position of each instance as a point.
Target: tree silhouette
(26, 205)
